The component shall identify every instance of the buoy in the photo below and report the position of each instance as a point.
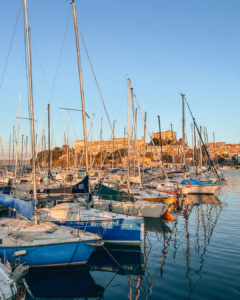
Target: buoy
(189, 206)
(168, 217)
(188, 184)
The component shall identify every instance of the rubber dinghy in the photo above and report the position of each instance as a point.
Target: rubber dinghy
(43, 244)
(192, 186)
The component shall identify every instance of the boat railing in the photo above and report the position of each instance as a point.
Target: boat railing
(123, 198)
(70, 198)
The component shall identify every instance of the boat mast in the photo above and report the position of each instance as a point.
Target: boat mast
(9, 149)
(101, 145)
(173, 150)
(49, 142)
(193, 153)
(124, 144)
(135, 140)
(214, 145)
(31, 103)
(160, 136)
(16, 154)
(129, 108)
(133, 134)
(113, 143)
(22, 151)
(13, 149)
(26, 150)
(195, 146)
(68, 141)
(81, 86)
(144, 139)
(183, 129)
(200, 150)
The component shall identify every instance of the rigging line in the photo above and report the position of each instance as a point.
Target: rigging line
(95, 78)
(73, 127)
(114, 275)
(58, 67)
(59, 58)
(10, 47)
(51, 90)
(162, 166)
(200, 136)
(40, 64)
(97, 84)
(39, 143)
(98, 87)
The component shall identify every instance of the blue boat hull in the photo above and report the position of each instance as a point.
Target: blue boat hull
(52, 255)
(124, 232)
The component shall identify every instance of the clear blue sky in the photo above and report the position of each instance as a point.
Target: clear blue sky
(165, 46)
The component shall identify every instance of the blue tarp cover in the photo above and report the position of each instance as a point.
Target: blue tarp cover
(25, 208)
(193, 181)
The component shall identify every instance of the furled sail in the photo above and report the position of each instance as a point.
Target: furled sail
(25, 208)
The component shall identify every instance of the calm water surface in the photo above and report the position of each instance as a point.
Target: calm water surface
(195, 257)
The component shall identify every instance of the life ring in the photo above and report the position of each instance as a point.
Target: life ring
(189, 206)
(188, 184)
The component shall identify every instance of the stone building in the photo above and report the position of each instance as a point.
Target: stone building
(108, 146)
(165, 135)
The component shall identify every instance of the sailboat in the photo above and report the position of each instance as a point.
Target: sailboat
(145, 204)
(193, 186)
(43, 244)
(114, 228)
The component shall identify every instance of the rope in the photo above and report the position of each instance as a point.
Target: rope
(95, 78)
(59, 59)
(10, 47)
(39, 143)
(98, 87)
(116, 262)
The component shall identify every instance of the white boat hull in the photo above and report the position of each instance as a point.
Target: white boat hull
(138, 208)
(200, 189)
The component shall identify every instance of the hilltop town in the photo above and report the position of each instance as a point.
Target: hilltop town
(114, 152)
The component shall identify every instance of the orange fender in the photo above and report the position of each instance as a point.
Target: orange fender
(168, 217)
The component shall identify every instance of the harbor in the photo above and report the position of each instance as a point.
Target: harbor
(127, 199)
(194, 256)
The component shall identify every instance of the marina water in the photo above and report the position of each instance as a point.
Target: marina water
(194, 257)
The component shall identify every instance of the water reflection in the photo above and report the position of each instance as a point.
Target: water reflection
(156, 225)
(171, 252)
(206, 214)
(124, 260)
(200, 199)
(61, 282)
(77, 282)
(120, 263)
(196, 217)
